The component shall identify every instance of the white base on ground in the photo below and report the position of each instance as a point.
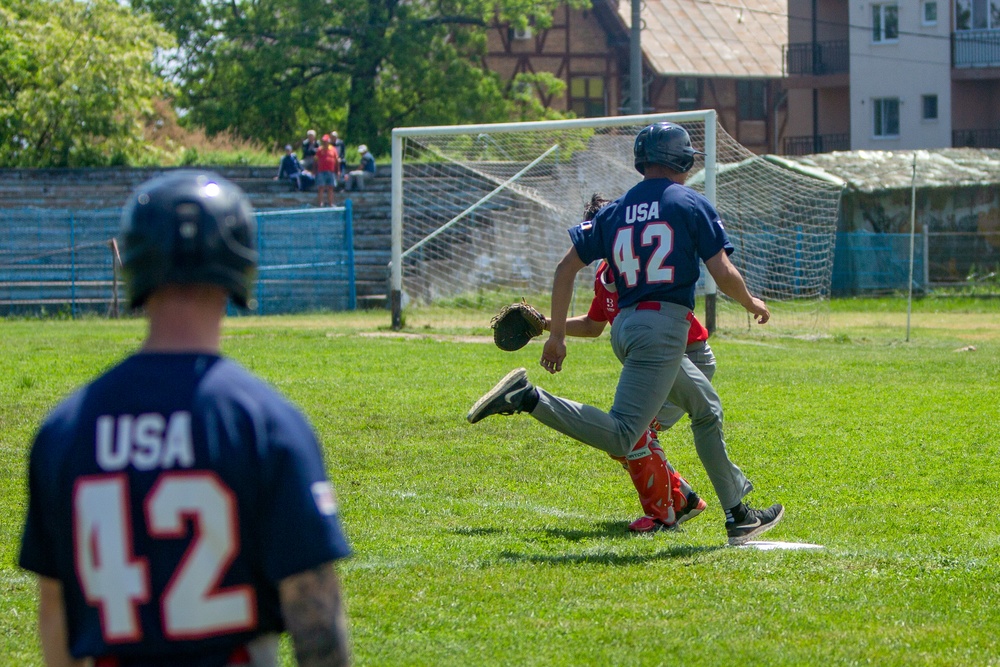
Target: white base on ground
(783, 546)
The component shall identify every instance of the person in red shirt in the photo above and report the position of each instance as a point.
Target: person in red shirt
(692, 394)
(327, 168)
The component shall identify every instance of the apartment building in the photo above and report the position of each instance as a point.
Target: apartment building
(892, 74)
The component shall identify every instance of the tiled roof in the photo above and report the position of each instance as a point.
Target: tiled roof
(731, 38)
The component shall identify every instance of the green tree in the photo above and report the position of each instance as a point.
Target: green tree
(75, 81)
(267, 68)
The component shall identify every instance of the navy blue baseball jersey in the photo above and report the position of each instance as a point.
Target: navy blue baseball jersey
(169, 497)
(654, 236)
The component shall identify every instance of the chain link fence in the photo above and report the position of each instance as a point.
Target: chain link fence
(872, 263)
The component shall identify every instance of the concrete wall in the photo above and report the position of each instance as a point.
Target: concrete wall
(918, 63)
(105, 188)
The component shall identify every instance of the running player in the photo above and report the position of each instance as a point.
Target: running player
(653, 236)
(692, 394)
(179, 511)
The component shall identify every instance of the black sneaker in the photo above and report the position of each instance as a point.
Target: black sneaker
(695, 506)
(756, 522)
(506, 398)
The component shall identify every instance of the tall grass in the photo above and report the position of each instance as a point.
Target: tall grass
(171, 144)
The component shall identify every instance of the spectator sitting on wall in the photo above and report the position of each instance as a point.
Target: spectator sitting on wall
(309, 148)
(291, 168)
(365, 170)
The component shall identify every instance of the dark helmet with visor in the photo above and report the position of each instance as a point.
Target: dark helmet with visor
(664, 143)
(189, 227)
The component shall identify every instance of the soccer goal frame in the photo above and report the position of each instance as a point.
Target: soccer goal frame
(706, 116)
(480, 213)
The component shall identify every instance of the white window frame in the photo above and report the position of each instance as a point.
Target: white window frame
(923, 12)
(937, 107)
(878, 107)
(881, 8)
(970, 6)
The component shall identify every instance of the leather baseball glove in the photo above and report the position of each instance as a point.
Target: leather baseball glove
(515, 325)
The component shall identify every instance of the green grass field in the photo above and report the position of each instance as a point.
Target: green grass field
(505, 543)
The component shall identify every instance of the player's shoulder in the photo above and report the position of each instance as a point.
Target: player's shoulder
(684, 192)
(228, 385)
(228, 379)
(56, 434)
(685, 200)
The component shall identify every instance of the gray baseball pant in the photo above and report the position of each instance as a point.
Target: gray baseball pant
(693, 393)
(650, 344)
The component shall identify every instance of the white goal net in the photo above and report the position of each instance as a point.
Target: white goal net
(481, 213)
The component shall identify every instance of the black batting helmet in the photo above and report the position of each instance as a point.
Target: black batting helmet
(664, 143)
(188, 227)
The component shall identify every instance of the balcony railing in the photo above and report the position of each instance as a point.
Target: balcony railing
(975, 48)
(821, 143)
(816, 58)
(975, 138)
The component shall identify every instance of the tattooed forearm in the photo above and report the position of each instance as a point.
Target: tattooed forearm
(314, 615)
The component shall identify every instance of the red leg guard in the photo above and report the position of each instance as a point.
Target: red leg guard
(651, 479)
(678, 493)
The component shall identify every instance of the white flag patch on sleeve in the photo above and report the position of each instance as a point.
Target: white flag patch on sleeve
(326, 501)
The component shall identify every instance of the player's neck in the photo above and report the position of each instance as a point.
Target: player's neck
(185, 319)
(661, 171)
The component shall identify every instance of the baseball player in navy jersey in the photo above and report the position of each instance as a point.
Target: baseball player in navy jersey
(653, 237)
(179, 511)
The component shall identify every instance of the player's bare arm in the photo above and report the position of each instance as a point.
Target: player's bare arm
(562, 293)
(52, 625)
(313, 610)
(729, 280)
(581, 326)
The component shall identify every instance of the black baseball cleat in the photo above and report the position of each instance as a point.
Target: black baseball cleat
(756, 522)
(506, 398)
(695, 506)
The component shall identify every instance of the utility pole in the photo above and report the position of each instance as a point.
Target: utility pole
(635, 60)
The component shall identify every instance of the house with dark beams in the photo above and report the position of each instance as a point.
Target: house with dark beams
(725, 55)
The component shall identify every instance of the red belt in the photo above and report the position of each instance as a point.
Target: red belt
(648, 305)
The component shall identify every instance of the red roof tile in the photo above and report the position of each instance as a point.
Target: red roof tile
(738, 38)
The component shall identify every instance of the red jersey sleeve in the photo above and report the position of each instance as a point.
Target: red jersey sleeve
(597, 312)
(604, 307)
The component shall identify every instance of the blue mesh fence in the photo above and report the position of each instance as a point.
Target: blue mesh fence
(865, 262)
(306, 260)
(60, 260)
